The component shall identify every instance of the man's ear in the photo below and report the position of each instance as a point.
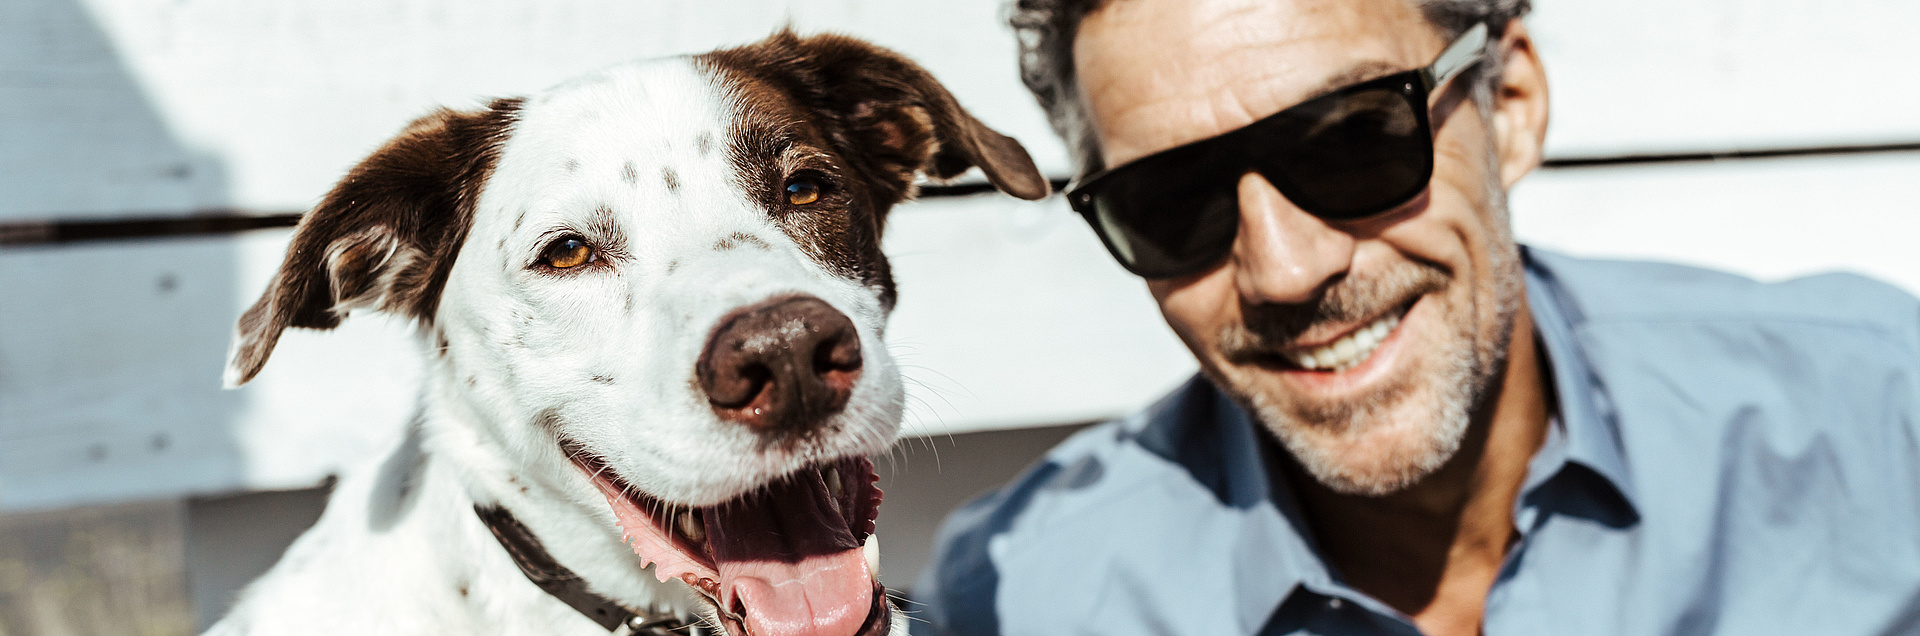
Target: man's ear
(1520, 106)
(891, 114)
(385, 237)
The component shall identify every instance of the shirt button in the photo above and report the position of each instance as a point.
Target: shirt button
(1335, 604)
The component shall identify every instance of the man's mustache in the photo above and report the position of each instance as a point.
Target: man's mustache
(1268, 329)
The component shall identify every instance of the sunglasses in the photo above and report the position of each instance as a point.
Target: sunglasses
(1347, 154)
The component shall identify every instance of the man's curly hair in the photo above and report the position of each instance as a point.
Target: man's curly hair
(1045, 31)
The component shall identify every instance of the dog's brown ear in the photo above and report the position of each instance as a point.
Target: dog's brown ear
(385, 237)
(891, 114)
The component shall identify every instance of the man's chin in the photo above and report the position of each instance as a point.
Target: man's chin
(1373, 434)
(1372, 460)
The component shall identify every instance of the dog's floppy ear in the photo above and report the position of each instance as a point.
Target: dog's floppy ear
(888, 113)
(385, 237)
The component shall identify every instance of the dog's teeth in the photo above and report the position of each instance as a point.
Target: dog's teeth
(834, 486)
(691, 526)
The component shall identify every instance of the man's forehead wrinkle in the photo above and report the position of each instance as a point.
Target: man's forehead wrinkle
(1158, 74)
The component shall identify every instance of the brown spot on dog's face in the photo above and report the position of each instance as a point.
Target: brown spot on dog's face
(704, 143)
(548, 420)
(629, 174)
(671, 179)
(386, 234)
(737, 239)
(859, 123)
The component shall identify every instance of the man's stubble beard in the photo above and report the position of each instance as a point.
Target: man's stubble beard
(1395, 436)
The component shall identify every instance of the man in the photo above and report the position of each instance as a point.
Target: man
(1407, 423)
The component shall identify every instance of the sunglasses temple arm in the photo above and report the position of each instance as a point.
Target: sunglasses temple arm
(1464, 51)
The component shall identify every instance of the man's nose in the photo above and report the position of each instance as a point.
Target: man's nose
(1284, 255)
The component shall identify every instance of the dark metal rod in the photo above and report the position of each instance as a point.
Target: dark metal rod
(19, 233)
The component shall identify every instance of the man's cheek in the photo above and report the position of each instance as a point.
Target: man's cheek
(1196, 311)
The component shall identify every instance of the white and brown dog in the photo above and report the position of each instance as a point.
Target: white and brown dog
(652, 301)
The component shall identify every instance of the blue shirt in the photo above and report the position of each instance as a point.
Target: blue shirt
(1728, 457)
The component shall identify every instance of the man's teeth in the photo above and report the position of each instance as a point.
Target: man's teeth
(1349, 350)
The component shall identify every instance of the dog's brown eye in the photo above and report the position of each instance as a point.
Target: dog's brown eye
(802, 191)
(568, 252)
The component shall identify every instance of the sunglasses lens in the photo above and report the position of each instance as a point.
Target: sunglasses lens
(1167, 229)
(1349, 154)
(1170, 213)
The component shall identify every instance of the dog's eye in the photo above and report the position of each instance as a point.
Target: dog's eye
(802, 190)
(571, 251)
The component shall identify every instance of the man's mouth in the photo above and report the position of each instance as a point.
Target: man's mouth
(783, 560)
(1351, 349)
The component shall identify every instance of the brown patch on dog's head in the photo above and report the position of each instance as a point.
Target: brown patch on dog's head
(385, 237)
(888, 115)
(865, 120)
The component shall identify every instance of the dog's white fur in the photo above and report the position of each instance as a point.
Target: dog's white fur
(602, 357)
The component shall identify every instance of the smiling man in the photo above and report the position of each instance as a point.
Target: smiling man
(1407, 423)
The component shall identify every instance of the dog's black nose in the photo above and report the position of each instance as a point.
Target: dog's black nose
(781, 366)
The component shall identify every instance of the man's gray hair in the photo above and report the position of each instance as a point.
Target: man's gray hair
(1045, 29)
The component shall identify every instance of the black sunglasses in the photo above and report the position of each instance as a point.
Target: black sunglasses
(1351, 153)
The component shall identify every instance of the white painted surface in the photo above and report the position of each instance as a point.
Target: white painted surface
(1011, 314)
(1766, 218)
(156, 106)
(1656, 76)
(281, 97)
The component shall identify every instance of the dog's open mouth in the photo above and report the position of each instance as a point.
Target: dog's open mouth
(783, 560)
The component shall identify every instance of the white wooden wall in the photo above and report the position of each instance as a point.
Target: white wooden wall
(1011, 314)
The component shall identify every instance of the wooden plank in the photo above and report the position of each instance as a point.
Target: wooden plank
(141, 106)
(105, 356)
(1654, 76)
(1766, 218)
(1011, 315)
(110, 359)
(103, 570)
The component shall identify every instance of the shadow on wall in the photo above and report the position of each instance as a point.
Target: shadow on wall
(110, 353)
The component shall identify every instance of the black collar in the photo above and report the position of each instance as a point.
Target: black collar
(560, 582)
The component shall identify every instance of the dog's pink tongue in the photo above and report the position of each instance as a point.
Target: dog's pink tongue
(826, 595)
(788, 561)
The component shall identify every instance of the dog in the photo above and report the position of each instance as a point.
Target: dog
(651, 302)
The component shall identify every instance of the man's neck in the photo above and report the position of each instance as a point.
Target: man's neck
(1433, 550)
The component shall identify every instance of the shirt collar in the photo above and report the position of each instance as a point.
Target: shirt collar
(1586, 419)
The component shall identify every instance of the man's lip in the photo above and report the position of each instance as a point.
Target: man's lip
(1387, 359)
(1301, 344)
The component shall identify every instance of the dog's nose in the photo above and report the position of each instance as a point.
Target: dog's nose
(781, 366)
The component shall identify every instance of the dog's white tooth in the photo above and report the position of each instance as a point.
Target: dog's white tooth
(832, 475)
(691, 526)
